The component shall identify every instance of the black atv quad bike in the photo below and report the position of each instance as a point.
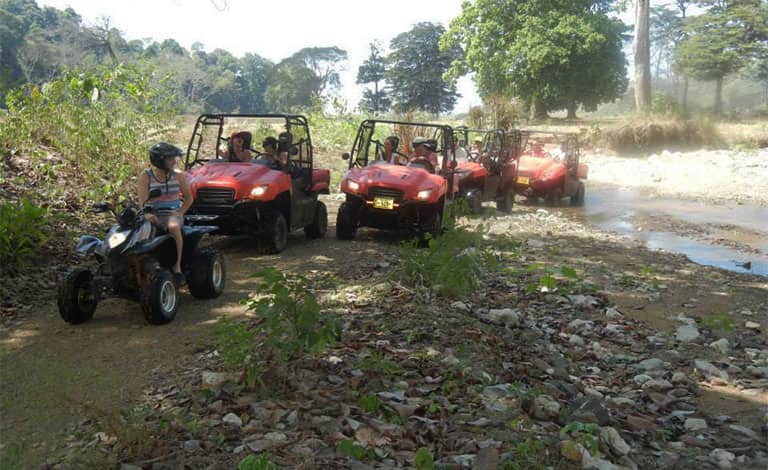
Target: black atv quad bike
(134, 262)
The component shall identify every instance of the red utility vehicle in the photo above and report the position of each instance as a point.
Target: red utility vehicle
(549, 167)
(487, 166)
(389, 196)
(259, 197)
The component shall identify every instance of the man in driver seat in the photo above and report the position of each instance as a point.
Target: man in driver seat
(424, 149)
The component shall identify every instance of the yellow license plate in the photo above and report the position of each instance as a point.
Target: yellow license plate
(386, 203)
(523, 179)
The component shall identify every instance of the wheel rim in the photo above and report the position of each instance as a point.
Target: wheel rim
(168, 296)
(216, 274)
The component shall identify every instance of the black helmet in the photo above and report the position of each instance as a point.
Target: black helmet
(162, 150)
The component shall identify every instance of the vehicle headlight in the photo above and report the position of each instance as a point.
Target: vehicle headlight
(117, 238)
(353, 185)
(424, 194)
(258, 191)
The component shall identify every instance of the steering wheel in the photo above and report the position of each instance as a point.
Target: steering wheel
(423, 161)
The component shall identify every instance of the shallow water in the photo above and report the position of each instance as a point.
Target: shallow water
(650, 219)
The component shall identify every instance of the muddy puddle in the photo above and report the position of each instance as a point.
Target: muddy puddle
(728, 236)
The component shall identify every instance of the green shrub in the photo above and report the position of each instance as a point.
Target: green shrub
(253, 462)
(452, 264)
(100, 122)
(234, 342)
(23, 231)
(292, 321)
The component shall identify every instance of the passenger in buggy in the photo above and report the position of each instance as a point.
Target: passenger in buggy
(238, 148)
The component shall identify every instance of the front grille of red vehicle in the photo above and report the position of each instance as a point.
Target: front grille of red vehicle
(395, 194)
(215, 197)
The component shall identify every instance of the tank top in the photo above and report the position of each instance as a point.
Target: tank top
(170, 193)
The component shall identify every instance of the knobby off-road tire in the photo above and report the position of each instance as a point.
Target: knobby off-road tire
(160, 297)
(276, 236)
(75, 298)
(507, 200)
(431, 230)
(578, 198)
(346, 222)
(207, 274)
(474, 202)
(319, 225)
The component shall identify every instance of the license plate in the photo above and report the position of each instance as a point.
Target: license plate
(386, 203)
(523, 179)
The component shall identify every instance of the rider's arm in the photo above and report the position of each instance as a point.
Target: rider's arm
(143, 188)
(186, 192)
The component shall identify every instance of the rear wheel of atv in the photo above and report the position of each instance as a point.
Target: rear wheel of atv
(552, 197)
(578, 198)
(276, 235)
(160, 297)
(76, 300)
(474, 202)
(506, 201)
(346, 222)
(207, 274)
(319, 223)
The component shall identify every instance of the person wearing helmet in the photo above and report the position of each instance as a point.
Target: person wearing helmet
(424, 149)
(174, 194)
(238, 148)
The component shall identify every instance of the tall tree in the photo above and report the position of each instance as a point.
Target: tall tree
(642, 50)
(373, 70)
(325, 64)
(292, 86)
(551, 54)
(417, 68)
(722, 40)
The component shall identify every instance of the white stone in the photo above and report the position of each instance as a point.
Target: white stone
(686, 333)
(657, 384)
(751, 325)
(695, 424)
(232, 419)
(613, 313)
(721, 345)
(651, 364)
(576, 340)
(724, 458)
(506, 316)
(613, 440)
(642, 378)
(709, 369)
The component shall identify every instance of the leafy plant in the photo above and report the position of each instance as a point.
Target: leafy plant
(719, 321)
(369, 403)
(350, 448)
(584, 433)
(376, 362)
(261, 462)
(23, 232)
(292, 322)
(233, 341)
(423, 460)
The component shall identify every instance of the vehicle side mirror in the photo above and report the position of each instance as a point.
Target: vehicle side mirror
(345, 156)
(101, 207)
(155, 193)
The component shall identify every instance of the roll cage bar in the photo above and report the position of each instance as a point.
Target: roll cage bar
(359, 157)
(510, 142)
(299, 152)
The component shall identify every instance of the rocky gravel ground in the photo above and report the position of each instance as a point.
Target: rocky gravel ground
(561, 358)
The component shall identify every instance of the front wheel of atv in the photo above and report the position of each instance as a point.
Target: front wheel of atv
(160, 298)
(346, 222)
(578, 198)
(552, 197)
(506, 201)
(207, 274)
(431, 230)
(277, 234)
(474, 202)
(319, 223)
(76, 298)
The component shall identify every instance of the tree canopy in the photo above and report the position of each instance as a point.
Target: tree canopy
(373, 70)
(552, 54)
(417, 68)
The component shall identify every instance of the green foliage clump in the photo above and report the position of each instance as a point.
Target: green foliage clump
(451, 265)
(583, 433)
(292, 321)
(100, 122)
(423, 460)
(23, 231)
(234, 341)
(351, 449)
(261, 462)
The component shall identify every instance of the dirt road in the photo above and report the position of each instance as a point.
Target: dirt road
(52, 374)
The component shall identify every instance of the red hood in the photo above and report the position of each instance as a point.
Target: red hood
(409, 180)
(535, 167)
(241, 177)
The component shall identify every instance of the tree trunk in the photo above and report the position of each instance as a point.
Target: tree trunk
(375, 98)
(538, 111)
(642, 57)
(685, 93)
(719, 96)
(572, 107)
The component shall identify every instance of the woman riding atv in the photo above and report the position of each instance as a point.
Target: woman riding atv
(174, 194)
(238, 148)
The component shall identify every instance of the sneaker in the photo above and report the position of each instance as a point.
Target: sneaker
(179, 278)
